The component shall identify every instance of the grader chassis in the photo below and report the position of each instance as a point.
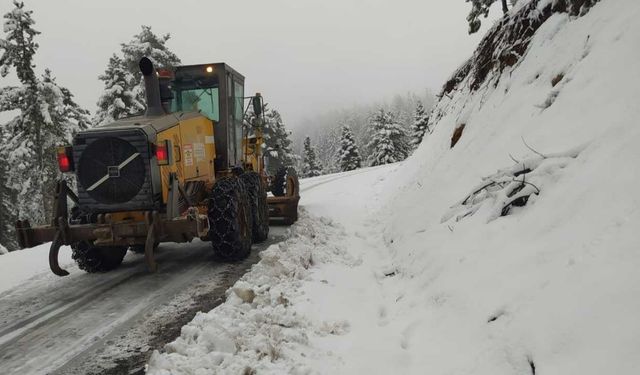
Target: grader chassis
(190, 167)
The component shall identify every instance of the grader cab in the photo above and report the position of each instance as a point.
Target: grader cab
(190, 167)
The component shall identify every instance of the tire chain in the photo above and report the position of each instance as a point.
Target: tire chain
(224, 229)
(259, 208)
(91, 258)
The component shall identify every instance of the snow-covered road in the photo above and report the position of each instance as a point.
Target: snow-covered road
(86, 323)
(109, 323)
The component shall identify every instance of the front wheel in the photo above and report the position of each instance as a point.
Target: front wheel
(230, 219)
(94, 259)
(259, 207)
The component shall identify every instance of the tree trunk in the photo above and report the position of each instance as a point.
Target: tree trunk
(504, 7)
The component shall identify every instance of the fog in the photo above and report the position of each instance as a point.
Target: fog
(305, 57)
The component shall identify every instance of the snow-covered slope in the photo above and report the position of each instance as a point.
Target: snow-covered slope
(514, 252)
(554, 284)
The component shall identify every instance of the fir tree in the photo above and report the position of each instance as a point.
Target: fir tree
(145, 44)
(117, 100)
(389, 141)
(277, 142)
(420, 126)
(349, 157)
(67, 117)
(310, 167)
(7, 199)
(22, 133)
(481, 8)
(47, 116)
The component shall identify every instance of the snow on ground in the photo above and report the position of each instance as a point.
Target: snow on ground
(17, 267)
(425, 267)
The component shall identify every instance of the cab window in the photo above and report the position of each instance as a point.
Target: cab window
(203, 100)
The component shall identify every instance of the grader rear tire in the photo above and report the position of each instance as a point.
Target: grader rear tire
(258, 201)
(280, 185)
(230, 220)
(94, 259)
(90, 258)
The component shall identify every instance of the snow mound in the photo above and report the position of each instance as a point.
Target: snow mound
(258, 328)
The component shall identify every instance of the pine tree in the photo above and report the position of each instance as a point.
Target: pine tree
(420, 126)
(349, 157)
(67, 117)
(23, 132)
(277, 142)
(481, 8)
(152, 46)
(310, 167)
(7, 199)
(117, 100)
(47, 116)
(389, 141)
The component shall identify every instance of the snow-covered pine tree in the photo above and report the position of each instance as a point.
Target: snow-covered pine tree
(63, 119)
(389, 141)
(117, 100)
(420, 126)
(7, 201)
(310, 167)
(349, 157)
(277, 142)
(152, 46)
(47, 116)
(67, 117)
(23, 132)
(481, 8)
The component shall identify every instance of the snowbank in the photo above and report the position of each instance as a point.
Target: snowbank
(18, 266)
(258, 328)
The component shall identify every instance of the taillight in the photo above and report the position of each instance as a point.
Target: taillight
(163, 150)
(65, 159)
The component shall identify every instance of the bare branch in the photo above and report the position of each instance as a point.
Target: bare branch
(531, 148)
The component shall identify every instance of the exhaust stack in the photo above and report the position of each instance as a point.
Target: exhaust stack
(151, 88)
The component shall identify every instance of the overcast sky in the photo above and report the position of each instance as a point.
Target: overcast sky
(305, 57)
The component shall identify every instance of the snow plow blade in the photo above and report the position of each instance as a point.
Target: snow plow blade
(284, 210)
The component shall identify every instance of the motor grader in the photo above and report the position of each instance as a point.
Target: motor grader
(190, 167)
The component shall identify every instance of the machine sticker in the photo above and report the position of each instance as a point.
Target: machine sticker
(209, 139)
(198, 149)
(188, 155)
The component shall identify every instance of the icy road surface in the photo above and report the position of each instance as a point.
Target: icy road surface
(106, 323)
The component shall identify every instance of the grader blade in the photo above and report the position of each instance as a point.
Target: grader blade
(284, 210)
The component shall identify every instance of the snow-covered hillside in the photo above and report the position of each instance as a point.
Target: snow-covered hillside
(553, 284)
(514, 252)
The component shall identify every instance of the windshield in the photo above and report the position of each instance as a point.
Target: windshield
(203, 100)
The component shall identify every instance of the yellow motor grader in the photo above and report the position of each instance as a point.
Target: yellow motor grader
(190, 167)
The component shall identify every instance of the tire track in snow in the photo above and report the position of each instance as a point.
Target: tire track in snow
(85, 313)
(344, 175)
